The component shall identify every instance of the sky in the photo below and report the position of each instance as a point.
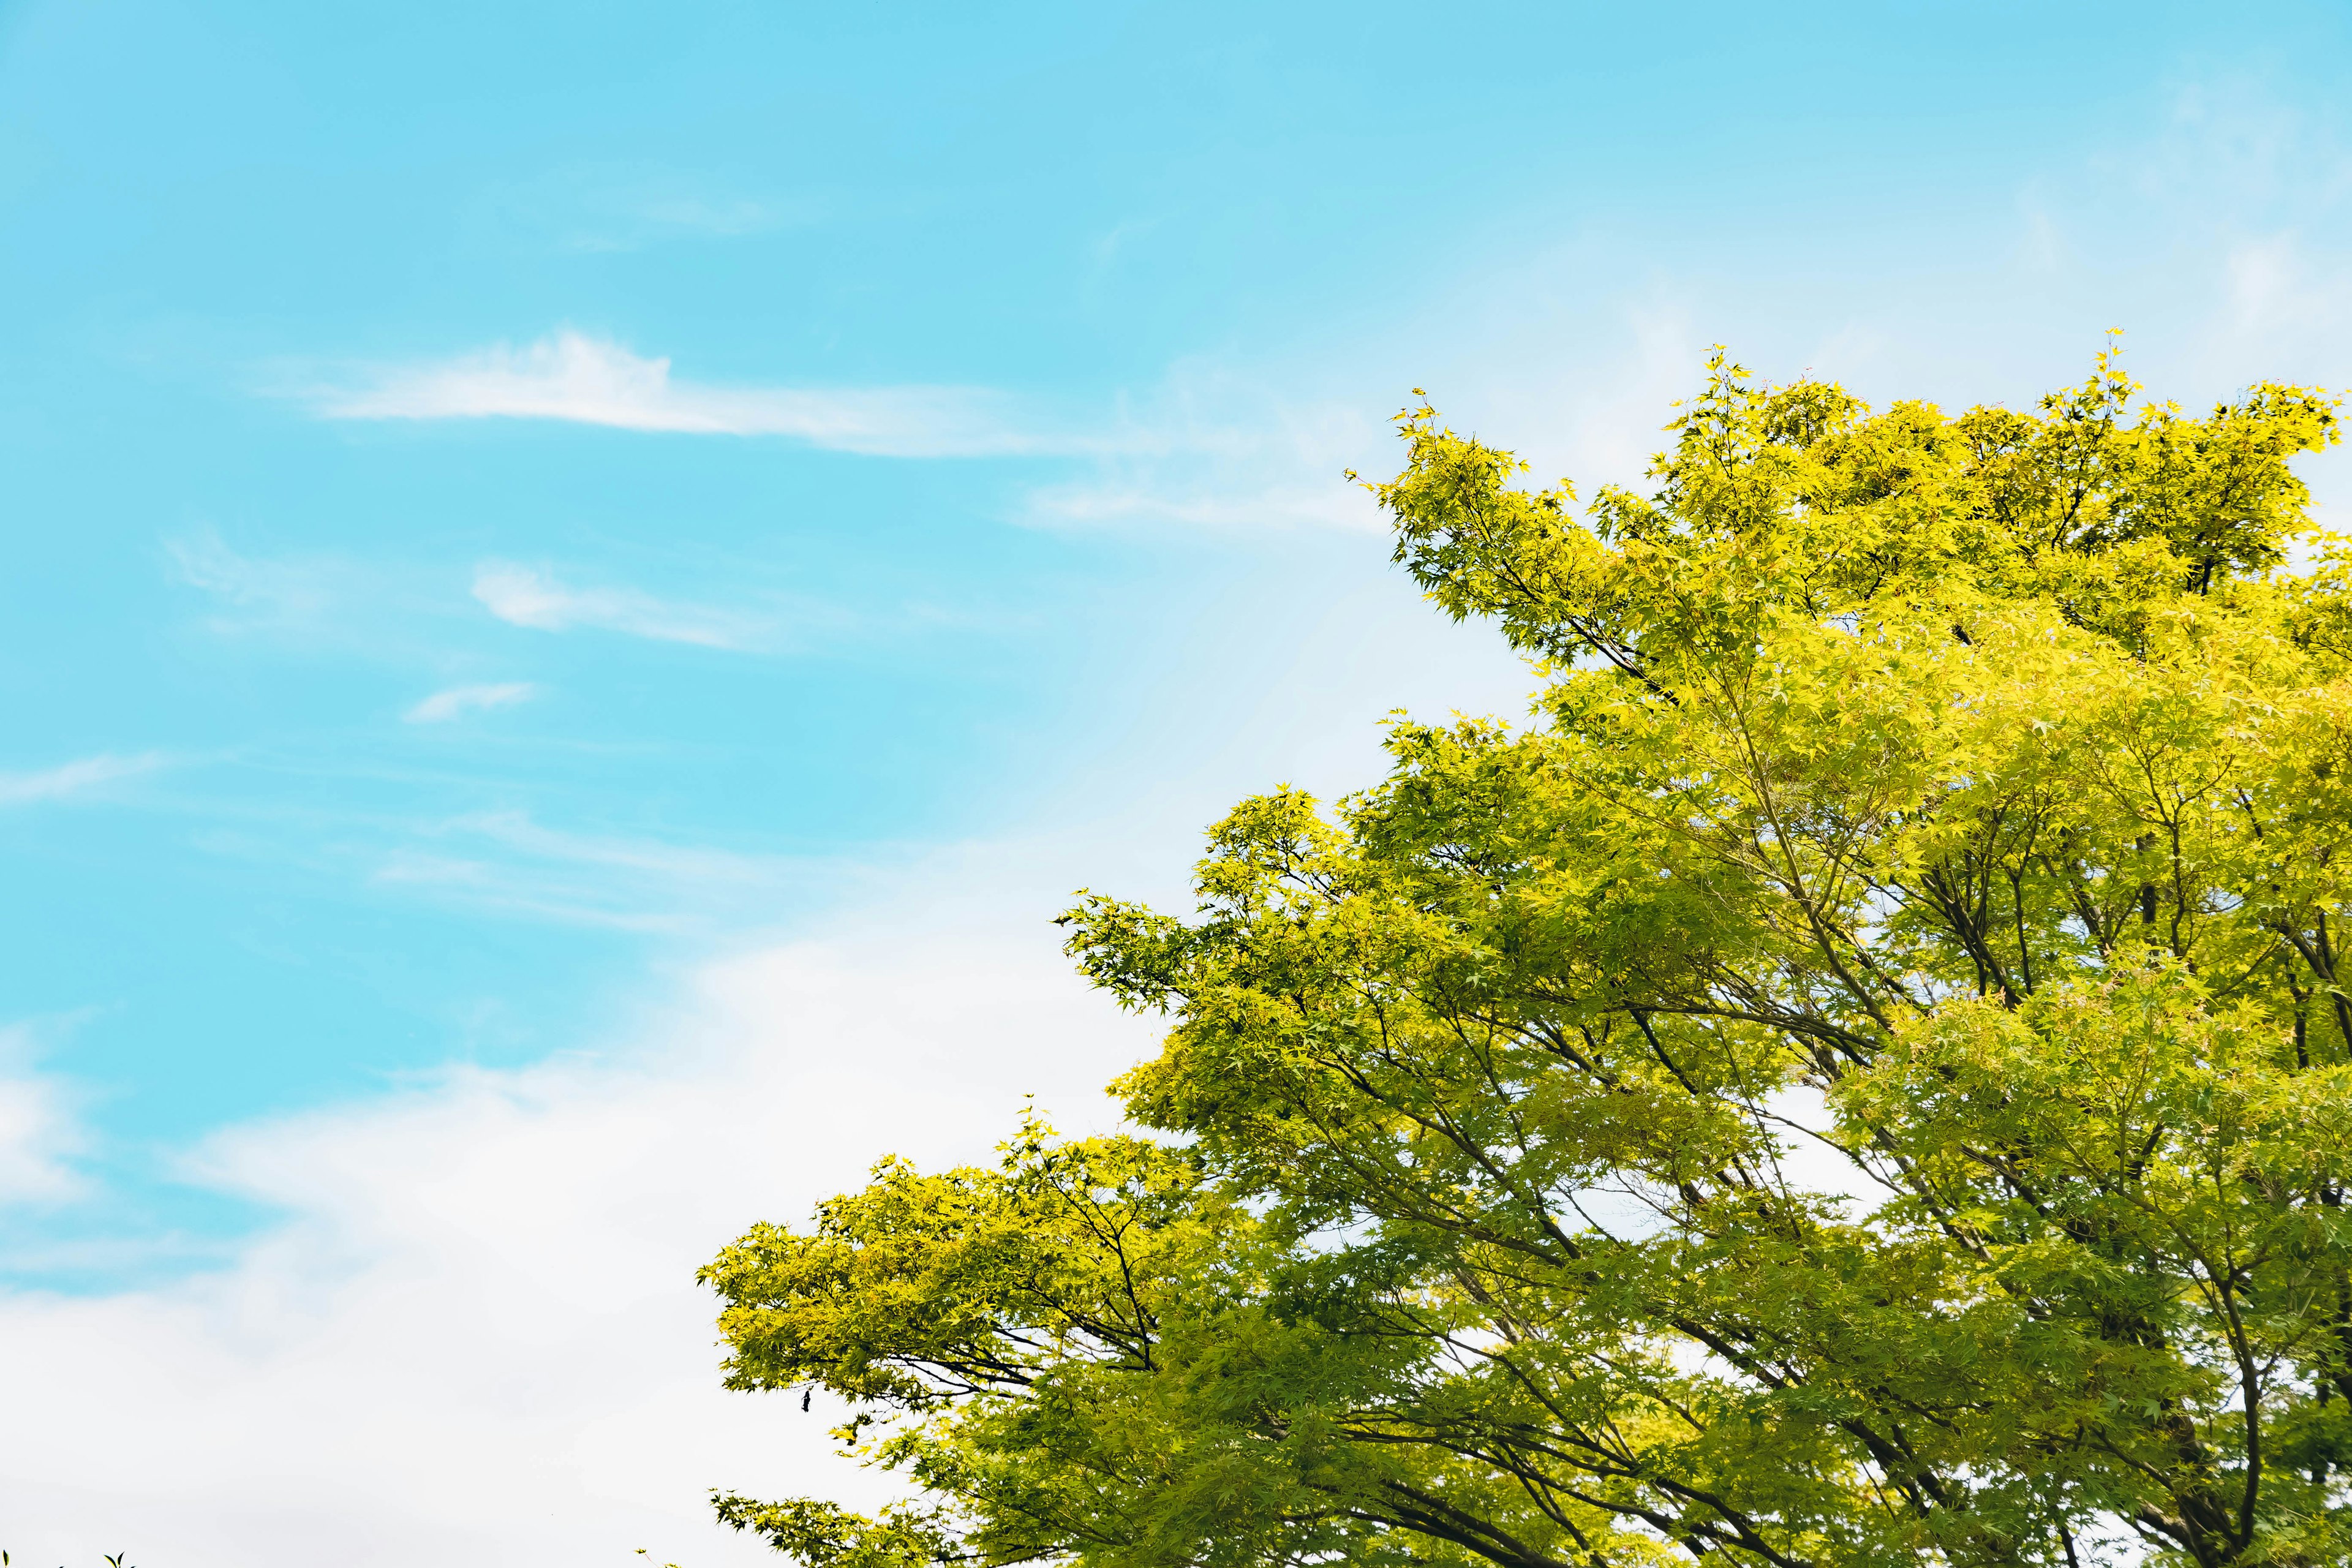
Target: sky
(583, 581)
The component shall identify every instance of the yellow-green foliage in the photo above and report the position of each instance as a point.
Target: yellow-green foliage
(1866, 1078)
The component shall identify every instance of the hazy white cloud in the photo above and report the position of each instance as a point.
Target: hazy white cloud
(458, 700)
(2212, 233)
(2280, 293)
(473, 1336)
(1196, 502)
(530, 596)
(571, 377)
(1224, 443)
(1577, 385)
(72, 778)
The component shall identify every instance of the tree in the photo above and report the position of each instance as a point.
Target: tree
(1863, 1078)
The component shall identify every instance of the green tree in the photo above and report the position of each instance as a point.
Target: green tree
(1863, 1078)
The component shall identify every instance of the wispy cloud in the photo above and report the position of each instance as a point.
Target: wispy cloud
(507, 863)
(458, 700)
(527, 597)
(275, 592)
(72, 778)
(377, 608)
(571, 377)
(633, 205)
(652, 857)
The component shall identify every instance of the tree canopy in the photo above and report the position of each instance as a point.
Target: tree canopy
(1863, 1076)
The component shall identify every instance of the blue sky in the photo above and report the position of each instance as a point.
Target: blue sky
(546, 542)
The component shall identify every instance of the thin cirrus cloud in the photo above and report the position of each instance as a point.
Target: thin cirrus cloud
(528, 596)
(459, 700)
(572, 377)
(70, 779)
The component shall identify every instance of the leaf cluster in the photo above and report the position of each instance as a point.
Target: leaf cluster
(1865, 1076)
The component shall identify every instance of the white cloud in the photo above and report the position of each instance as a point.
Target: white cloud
(443, 706)
(527, 597)
(473, 1337)
(39, 1131)
(72, 778)
(36, 1134)
(571, 377)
